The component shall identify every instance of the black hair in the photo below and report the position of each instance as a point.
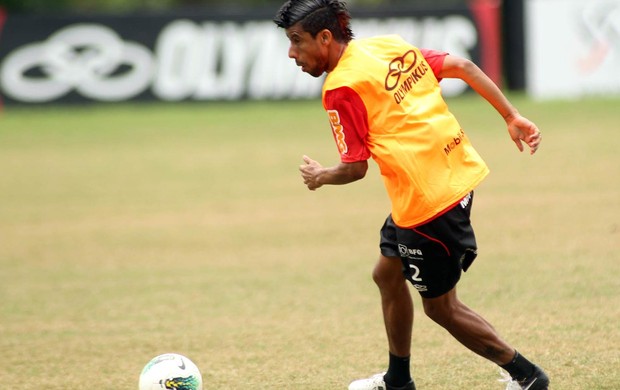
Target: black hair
(315, 16)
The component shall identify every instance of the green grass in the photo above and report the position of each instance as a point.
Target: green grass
(134, 230)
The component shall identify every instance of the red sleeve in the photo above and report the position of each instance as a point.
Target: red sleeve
(349, 122)
(435, 60)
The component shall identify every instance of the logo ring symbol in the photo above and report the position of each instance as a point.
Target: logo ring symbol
(81, 57)
(398, 66)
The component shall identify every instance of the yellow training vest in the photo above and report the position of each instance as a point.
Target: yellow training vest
(426, 160)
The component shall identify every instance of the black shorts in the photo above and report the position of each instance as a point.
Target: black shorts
(433, 254)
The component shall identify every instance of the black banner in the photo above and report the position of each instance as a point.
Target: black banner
(197, 56)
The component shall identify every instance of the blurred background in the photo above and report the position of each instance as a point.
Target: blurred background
(58, 51)
(119, 6)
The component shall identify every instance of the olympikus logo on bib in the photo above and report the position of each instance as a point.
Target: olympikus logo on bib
(404, 66)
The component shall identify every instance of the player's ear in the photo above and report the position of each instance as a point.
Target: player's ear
(325, 36)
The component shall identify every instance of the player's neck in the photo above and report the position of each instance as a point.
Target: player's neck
(336, 54)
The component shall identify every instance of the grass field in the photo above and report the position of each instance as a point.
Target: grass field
(130, 231)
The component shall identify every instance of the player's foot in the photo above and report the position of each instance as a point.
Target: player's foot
(537, 381)
(376, 382)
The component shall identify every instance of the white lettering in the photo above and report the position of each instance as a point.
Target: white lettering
(199, 61)
(226, 57)
(274, 75)
(177, 60)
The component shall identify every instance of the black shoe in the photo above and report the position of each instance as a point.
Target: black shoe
(537, 381)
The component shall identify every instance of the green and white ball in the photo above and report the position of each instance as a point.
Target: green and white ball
(170, 371)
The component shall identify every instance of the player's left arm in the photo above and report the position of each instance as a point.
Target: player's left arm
(520, 128)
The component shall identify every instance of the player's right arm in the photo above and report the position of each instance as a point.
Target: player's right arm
(347, 117)
(315, 175)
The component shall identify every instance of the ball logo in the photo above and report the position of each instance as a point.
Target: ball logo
(398, 67)
(180, 383)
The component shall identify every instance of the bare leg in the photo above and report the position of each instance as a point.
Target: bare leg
(396, 303)
(468, 327)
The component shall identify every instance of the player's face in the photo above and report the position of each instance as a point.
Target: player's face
(309, 53)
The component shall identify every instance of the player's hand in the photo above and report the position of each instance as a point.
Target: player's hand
(522, 130)
(310, 172)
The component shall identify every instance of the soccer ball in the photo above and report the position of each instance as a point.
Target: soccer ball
(170, 371)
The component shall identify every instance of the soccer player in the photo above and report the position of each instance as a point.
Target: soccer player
(383, 100)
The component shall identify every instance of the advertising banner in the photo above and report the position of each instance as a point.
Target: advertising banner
(193, 57)
(573, 48)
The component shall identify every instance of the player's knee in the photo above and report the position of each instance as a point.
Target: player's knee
(387, 272)
(378, 276)
(438, 310)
